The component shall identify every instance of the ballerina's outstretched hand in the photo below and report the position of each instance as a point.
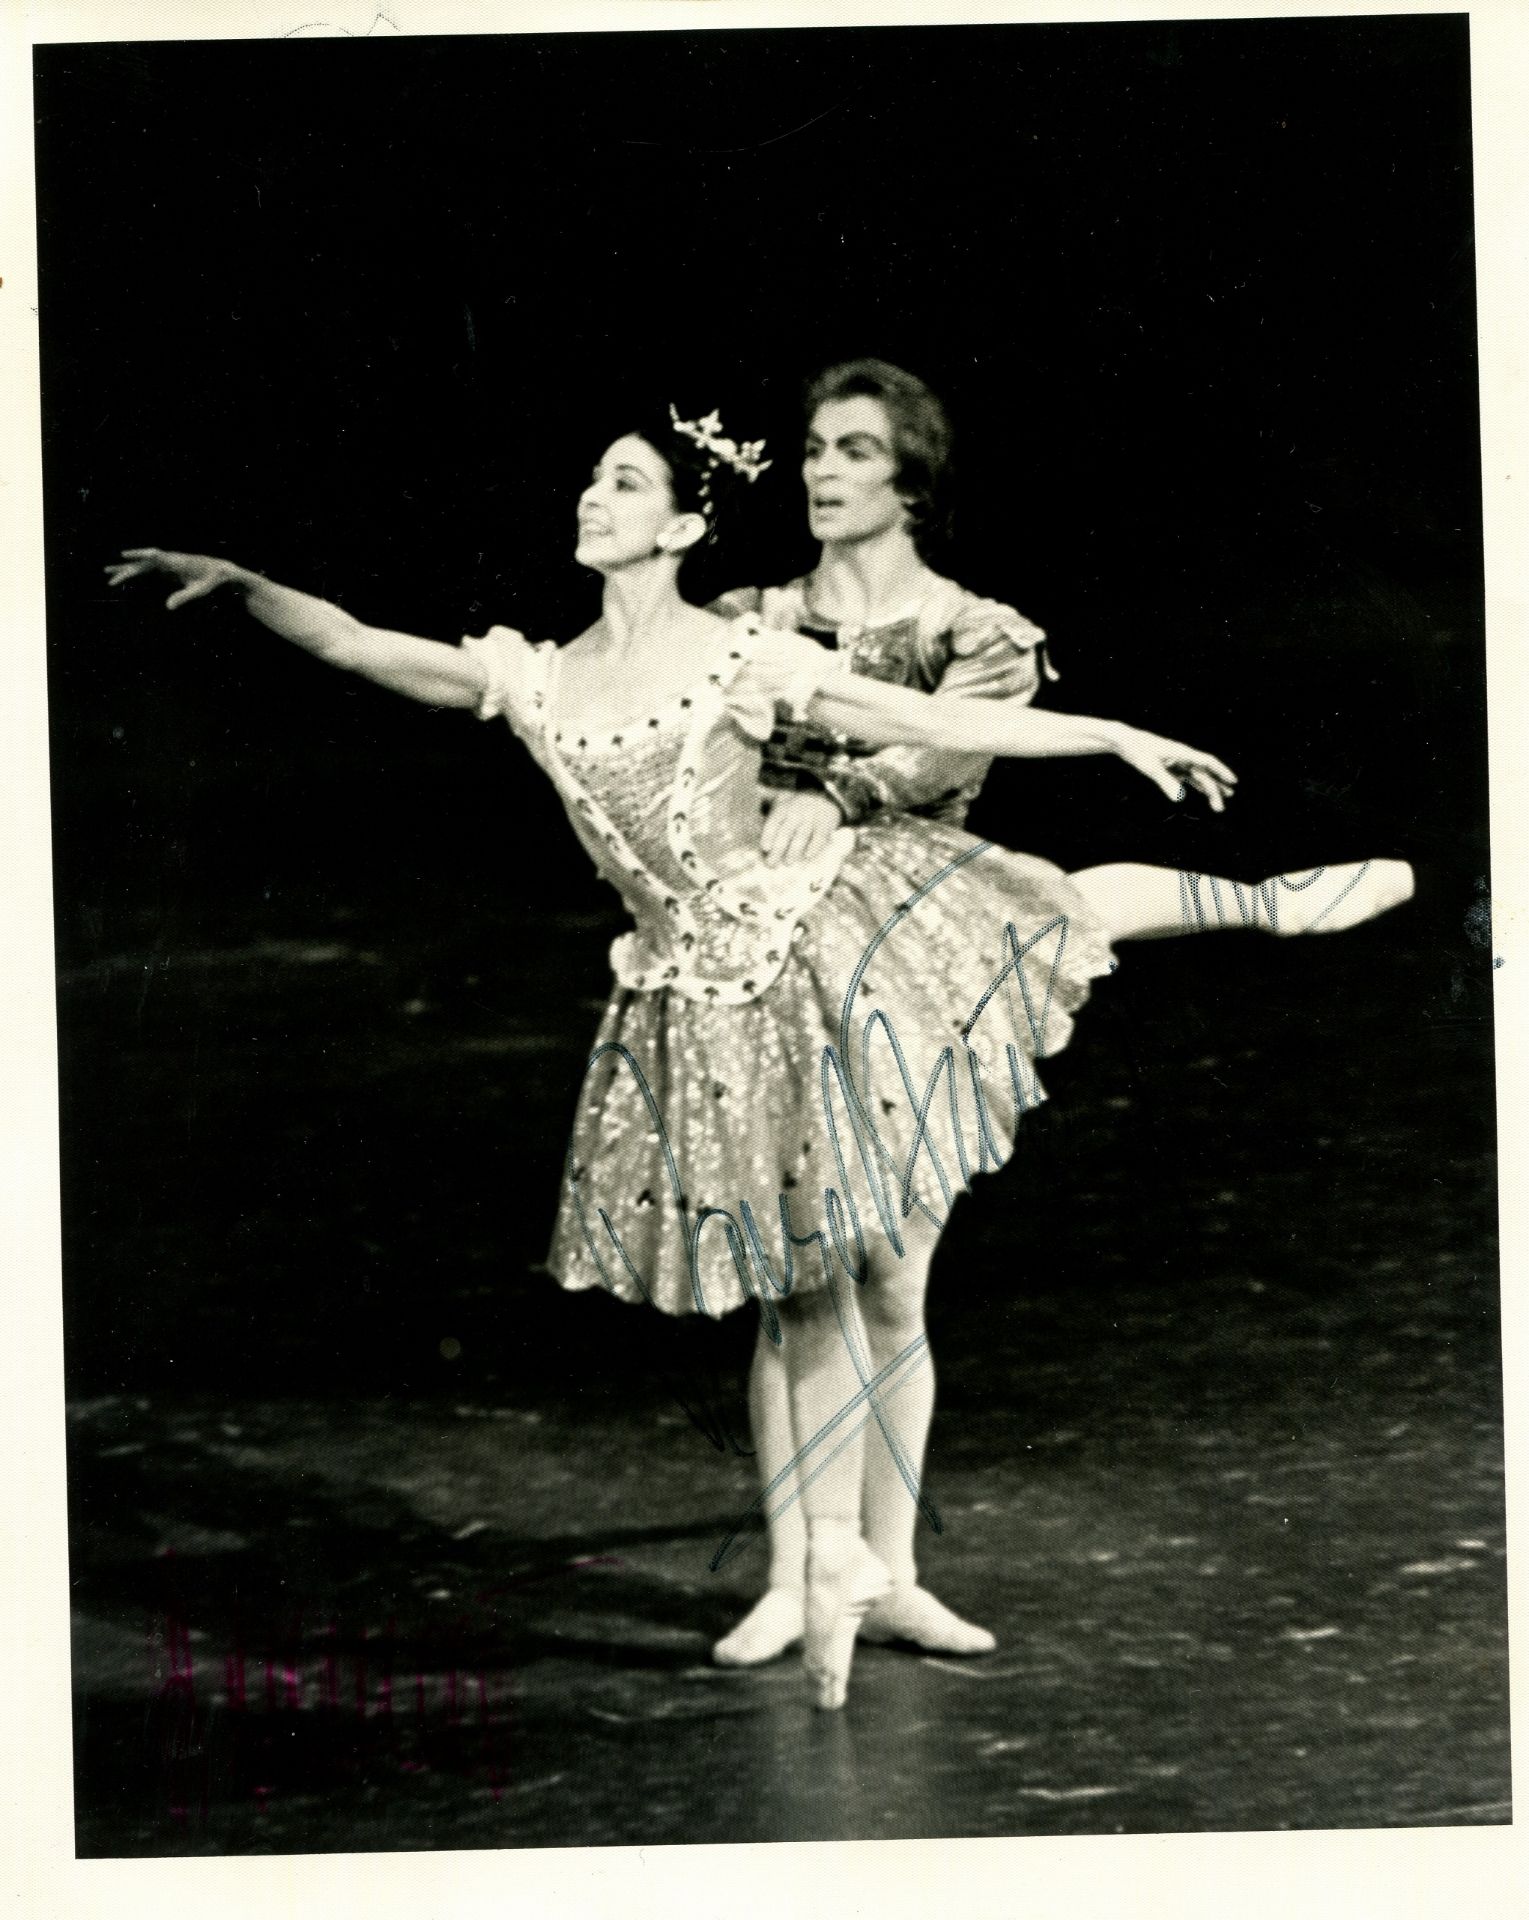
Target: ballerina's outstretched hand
(438, 676)
(198, 574)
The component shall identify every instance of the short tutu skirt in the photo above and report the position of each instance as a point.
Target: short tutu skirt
(722, 1154)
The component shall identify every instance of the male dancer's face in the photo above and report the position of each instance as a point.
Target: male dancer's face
(850, 470)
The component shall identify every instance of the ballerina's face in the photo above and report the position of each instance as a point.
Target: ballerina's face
(850, 470)
(627, 512)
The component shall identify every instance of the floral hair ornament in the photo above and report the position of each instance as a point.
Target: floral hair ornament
(707, 434)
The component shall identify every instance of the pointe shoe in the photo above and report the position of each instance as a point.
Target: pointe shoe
(844, 1578)
(1316, 900)
(770, 1628)
(911, 1615)
(1331, 899)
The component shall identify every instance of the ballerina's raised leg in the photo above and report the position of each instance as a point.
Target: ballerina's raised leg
(1156, 903)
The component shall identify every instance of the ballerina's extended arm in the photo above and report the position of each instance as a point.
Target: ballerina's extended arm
(425, 670)
(884, 715)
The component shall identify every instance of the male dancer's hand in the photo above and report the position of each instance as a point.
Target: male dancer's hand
(798, 827)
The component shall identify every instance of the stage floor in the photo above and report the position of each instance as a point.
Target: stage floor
(382, 1542)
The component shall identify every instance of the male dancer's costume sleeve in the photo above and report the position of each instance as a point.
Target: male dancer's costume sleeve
(988, 652)
(964, 647)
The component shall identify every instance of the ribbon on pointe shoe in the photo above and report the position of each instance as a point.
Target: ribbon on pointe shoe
(1320, 900)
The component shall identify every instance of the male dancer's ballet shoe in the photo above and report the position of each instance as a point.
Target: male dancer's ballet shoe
(771, 1627)
(844, 1578)
(911, 1615)
(1318, 900)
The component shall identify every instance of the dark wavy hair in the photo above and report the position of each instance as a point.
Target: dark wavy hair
(921, 435)
(697, 485)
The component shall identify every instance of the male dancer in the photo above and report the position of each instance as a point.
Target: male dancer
(875, 464)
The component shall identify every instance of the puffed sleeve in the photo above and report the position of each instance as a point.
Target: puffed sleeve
(776, 682)
(995, 651)
(981, 650)
(507, 659)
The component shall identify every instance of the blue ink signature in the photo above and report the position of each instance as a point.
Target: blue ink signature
(839, 1244)
(1250, 900)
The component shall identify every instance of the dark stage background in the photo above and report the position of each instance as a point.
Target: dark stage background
(360, 314)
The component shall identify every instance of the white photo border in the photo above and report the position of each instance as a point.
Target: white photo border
(1392, 1873)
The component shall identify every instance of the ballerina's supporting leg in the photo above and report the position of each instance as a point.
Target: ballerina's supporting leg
(774, 1623)
(842, 1576)
(893, 1310)
(1152, 903)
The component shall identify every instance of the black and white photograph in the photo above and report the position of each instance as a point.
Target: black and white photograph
(774, 934)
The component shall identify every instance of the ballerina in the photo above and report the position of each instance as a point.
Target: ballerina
(875, 465)
(734, 1136)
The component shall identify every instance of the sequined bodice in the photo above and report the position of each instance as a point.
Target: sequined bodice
(669, 809)
(637, 806)
(631, 785)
